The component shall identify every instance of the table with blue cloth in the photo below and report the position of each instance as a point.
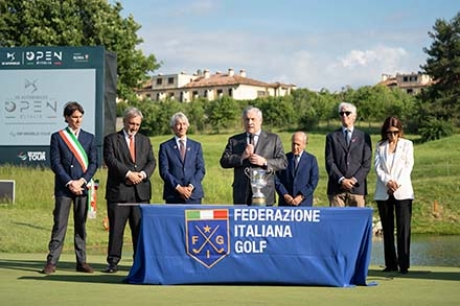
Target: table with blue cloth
(201, 244)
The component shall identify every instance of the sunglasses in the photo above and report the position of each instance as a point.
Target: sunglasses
(392, 132)
(344, 113)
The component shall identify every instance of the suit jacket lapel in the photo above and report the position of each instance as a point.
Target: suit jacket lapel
(341, 138)
(260, 142)
(301, 161)
(386, 160)
(175, 148)
(291, 162)
(124, 145)
(188, 148)
(398, 153)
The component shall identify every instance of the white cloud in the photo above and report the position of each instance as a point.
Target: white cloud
(288, 60)
(377, 56)
(355, 68)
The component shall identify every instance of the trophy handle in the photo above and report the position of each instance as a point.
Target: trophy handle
(247, 171)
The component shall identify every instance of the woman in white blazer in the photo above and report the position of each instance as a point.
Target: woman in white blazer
(393, 163)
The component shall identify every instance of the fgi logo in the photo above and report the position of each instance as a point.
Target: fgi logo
(207, 235)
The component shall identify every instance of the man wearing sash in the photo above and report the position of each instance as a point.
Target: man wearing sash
(73, 157)
(130, 161)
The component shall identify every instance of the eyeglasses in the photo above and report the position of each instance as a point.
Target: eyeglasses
(392, 132)
(344, 113)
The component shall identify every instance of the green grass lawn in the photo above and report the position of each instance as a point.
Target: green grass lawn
(26, 225)
(21, 284)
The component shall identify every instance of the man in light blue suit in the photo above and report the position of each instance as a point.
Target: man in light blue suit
(73, 158)
(296, 184)
(181, 165)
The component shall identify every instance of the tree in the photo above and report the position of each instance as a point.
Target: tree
(78, 23)
(222, 113)
(324, 103)
(441, 100)
(369, 101)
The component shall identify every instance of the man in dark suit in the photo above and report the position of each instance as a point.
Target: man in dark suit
(253, 149)
(348, 161)
(73, 157)
(296, 184)
(130, 162)
(181, 165)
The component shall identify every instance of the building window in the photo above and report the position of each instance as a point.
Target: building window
(220, 92)
(195, 94)
(170, 81)
(205, 94)
(261, 93)
(410, 91)
(230, 92)
(159, 81)
(171, 95)
(149, 96)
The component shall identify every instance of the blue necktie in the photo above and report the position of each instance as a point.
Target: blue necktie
(296, 161)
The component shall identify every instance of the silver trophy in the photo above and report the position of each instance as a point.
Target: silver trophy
(258, 179)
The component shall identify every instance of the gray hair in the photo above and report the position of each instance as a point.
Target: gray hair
(347, 105)
(176, 117)
(132, 112)
(249, 109)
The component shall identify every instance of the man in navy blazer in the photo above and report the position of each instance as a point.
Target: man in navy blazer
(71, 175)
(130, 162)
(181, 165)
(348, 161)
(296, 184)
(253, 149)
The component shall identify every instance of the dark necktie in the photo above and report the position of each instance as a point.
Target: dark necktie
(251, 139)
(296, 161)
(347, 136)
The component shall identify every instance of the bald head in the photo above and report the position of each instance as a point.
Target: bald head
(298, 142)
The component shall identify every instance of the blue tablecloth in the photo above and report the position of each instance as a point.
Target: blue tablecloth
(184, 244)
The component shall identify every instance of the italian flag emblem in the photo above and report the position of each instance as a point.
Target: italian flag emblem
(207, 237)
(214, 214)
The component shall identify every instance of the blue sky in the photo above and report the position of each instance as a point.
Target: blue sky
(310, 43)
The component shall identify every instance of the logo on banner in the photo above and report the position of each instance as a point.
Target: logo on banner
(22, 156)
(46, 57)
(32, 156)
(32, 84)
(10, 59)
(207, 235)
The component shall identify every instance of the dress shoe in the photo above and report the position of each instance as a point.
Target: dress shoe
(111, 268)
(388, 269)
(49, 269)
(85, 268)
(404, 271)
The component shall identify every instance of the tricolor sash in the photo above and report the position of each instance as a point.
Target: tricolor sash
(77, 150)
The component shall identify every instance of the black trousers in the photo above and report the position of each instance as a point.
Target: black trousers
(61, 219)
(118, 216)
(402, 210)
